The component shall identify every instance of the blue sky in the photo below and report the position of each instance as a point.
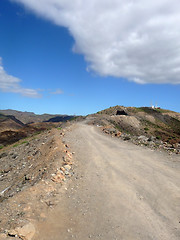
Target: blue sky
(53, 64)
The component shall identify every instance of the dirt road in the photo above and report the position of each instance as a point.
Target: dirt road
(119, 191)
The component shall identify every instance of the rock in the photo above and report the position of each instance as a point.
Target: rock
(62, 169)
(152, 143)
(14, 156)
(12, 233)
(126, 138)
(3, 155)
(118, 134)
(143, 138)
(7, 169)
(69, 155)
(58, 178)
(151, 138)
(26, 232)
(67, 167)
(28, 177)
(112, 130)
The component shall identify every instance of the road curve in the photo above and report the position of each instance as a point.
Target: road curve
(119, 191)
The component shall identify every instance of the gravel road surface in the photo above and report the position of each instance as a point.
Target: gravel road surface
(119, 191)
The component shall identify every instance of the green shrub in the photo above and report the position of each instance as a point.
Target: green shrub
(158, 137)
(38, 132)
(118, 127)
(16, 145)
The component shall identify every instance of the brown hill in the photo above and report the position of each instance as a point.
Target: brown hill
(9, 122)
(12, 129)
(13, 135)
(30, 117)
(160, 123)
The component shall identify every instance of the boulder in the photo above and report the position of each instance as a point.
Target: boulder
(143, 138)
(26, 232)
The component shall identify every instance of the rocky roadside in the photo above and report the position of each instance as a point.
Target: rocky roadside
(151, 142)
(33, 173)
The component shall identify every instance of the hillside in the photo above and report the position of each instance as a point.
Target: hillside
(20, 125)
(30, 117)
(162, 124)
(9, 123)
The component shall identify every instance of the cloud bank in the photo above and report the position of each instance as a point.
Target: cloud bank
(11, 84)
(133, 39)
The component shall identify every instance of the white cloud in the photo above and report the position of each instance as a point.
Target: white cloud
(58, 91)
(9, 83)
(133, 39)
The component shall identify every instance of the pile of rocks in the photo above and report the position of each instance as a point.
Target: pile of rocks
(142, 140)
(112, 131)
(65, 170)
(31, 176)
(151, 142)
(25, 163)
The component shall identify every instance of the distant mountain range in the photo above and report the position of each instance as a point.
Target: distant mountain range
(15, 125)
(30, 117)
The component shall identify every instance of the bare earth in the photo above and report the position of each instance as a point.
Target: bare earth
(119, 191)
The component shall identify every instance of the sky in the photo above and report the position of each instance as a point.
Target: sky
(81, 56)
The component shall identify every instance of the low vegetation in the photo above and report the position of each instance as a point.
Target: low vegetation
(161, 123)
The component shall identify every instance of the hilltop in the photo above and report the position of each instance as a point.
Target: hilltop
(143, 123)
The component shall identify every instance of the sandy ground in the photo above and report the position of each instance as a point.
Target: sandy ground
(119, 191)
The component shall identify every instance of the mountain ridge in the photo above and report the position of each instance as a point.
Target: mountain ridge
(31, 117)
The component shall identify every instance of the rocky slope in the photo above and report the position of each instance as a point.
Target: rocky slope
(31, 175)
(147, 126)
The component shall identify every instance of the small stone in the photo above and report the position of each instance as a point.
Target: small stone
(12, 233)
(59, 177)
(3, 155)
(26, 232)
(67, 167)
